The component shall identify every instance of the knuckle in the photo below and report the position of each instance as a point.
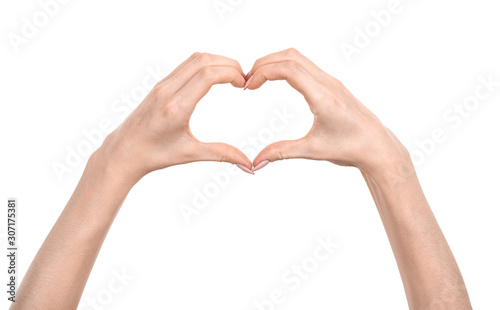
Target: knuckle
(324, 93)
(174, 101)
(280, 151)
(293, 66)
(258, 62)
(171, 109)
(291, 52)
(207, 73)
(226, 149)
(234, 73)
(337, 82)
(205, 58)
(160, 90)
(235, 63)
(258, 71)
(221, 152)
(282, 155)
(224, 152)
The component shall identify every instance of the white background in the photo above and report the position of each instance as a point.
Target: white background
(76, 68)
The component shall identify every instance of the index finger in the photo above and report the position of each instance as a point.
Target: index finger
(291, 71)
(292, 54)
(200, 84)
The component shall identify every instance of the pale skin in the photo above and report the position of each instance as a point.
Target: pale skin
(157, 135)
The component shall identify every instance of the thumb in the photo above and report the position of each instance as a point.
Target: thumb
(281, 150)
(224, 153)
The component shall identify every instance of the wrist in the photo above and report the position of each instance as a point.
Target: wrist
(106, 170)
(98, 196)
(391, 164)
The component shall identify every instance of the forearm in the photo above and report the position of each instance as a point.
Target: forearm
(347, 133)
(156, 135)
(59, 272)
(430, 274)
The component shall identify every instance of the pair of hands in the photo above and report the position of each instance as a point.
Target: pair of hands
(157, 135)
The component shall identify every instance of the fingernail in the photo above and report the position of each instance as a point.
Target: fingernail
(248, 82)
(261, 165)
(244, 80)
(245, 169)
(248, 75)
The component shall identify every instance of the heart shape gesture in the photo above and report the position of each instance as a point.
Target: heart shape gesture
(157, 134)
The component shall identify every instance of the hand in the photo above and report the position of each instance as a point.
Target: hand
(344, 131)
(156, 135)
